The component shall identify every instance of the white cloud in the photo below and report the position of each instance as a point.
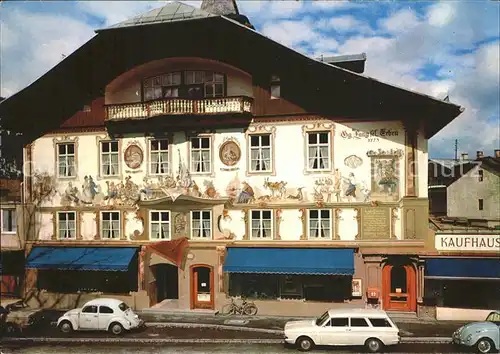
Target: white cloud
(441, 14)
(290, 33)
(402, 20)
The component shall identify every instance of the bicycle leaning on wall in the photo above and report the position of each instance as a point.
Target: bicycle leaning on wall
(247, 308)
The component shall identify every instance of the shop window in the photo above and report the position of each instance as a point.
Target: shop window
(291, 287)
(359, 322)
(73, 281)
(463, 293)
(254, 286)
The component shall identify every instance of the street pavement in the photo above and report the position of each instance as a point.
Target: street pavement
(215, 348)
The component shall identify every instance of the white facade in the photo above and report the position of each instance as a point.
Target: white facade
(349, 162)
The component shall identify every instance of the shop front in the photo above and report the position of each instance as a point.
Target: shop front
(293, 281)
(66, 277)
(463, 288)
(11, 273)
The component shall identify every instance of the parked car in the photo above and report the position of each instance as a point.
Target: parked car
(100, 315)
(483, 336)
(349, 327)
(16, 317)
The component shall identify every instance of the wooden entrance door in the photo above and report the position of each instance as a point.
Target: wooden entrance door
(202, 287)
(399, 287)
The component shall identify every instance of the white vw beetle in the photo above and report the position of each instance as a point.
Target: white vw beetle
(350, 327)
(102, 315)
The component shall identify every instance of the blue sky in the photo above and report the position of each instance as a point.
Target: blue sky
(437, 48)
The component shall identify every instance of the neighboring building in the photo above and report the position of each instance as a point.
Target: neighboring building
(475, 195)
(221, 163)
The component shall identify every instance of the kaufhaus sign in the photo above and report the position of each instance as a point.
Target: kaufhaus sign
(467, 242)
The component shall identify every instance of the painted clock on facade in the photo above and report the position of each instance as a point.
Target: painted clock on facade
(133, 156)
(230, 153)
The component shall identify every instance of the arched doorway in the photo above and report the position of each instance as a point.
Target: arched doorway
(202, 286)
(399, 283)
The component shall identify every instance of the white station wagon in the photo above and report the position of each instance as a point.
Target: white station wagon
(348, 327)
(100, 315)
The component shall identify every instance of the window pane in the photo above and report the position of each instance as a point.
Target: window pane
(114, 146)
(195, 143)
(358, 322)
(340, 322)
(254, 140)
(313, 214)
(205, 143)
(206, 215)
(155, 216)
(105, 147)
(255, 214)
(313, 138)
(196, 215)
(265, 140)
(380, 322)
(266, 214)
(71, 148)
(323, 138)
(164, 216)
(325, 214)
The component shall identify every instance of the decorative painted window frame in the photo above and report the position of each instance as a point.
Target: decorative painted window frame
(318, 127)
(122, 223)
(77, 225)
(190, 223)
(65, 139)
(209, 135)
(261, 129)
(170, 222)
(103, 139)
(168, 137)
(274, 228)
(332, 229)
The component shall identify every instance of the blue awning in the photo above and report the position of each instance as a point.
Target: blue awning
(81, 258)
(322, 261)
(475, 268)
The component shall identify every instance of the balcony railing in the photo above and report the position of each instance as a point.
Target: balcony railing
(179, 106)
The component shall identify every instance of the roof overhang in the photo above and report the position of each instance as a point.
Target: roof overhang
(324, 89)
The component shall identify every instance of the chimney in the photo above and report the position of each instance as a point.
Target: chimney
(465, 156)
(480, 155)
(497, 153)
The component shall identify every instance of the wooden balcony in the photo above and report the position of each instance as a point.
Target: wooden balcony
(179, 107)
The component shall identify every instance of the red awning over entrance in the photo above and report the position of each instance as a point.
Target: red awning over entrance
(174, 250)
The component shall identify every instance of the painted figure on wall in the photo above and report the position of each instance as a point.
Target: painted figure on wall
(247, 194)
(351, 186)
(385, 179)
(70, 195)
(233, 188)
(89, 189)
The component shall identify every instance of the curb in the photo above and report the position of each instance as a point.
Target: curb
(213, 326)
(34, 340)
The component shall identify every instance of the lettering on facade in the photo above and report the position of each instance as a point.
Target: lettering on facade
(372, 135)
(375, 223)
(461, 242)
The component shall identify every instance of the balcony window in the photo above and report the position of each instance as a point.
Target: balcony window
(8, 220)
(160, 225)
(260, 153)
(201, 152)
(163, 86)
(318, 151)
(187, 84)
(275, 87)
(261, 224)
(109, 158)
(201, 224)
(320, 224)
(66, 225)
(158, 157)
(110, 224)
(66, 160)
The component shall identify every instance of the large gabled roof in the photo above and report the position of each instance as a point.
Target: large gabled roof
(324, 88)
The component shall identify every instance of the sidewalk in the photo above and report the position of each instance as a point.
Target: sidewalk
(269, 324)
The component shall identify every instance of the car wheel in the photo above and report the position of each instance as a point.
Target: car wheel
(65, 327)
(116, 328)
(485, 345)
(305, 344)
(373, 345)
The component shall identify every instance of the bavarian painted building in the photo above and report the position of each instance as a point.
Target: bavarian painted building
(180, 173)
